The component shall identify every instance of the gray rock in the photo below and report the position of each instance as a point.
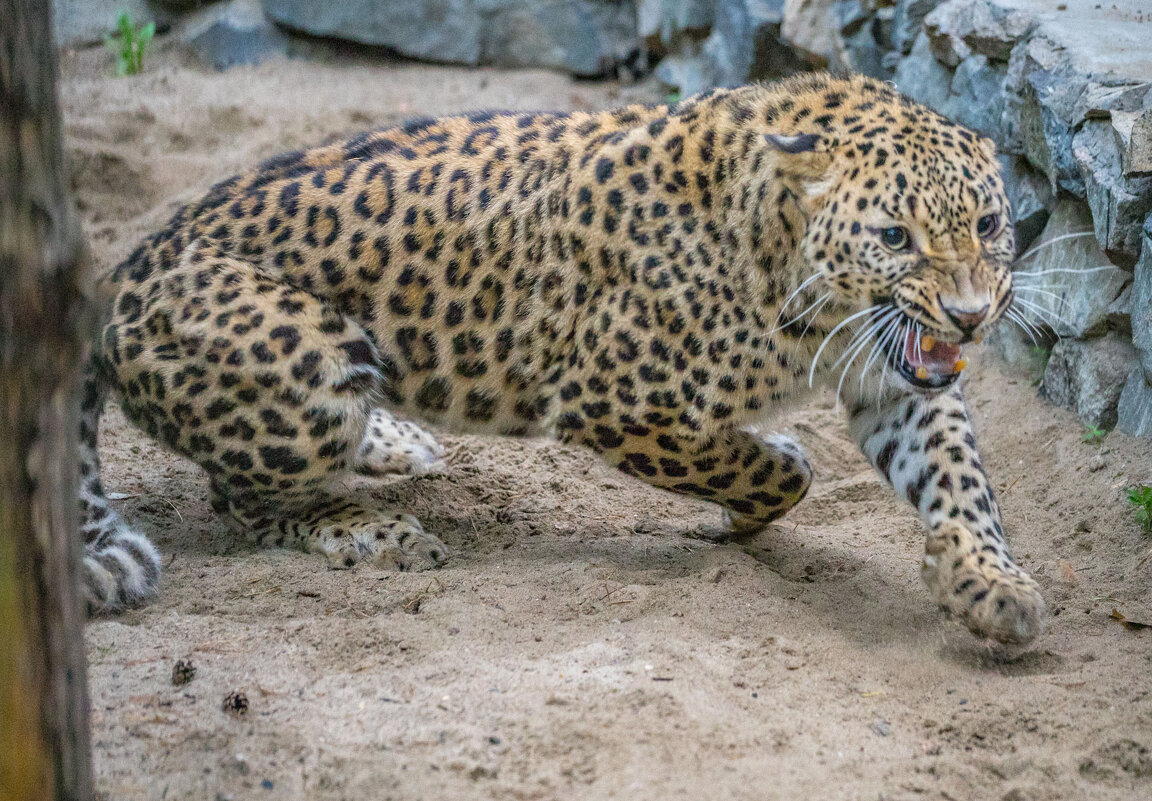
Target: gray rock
(1042, 91)
(973, 94)
(1088, 376)
(1049, 289)
(772, 57)
(722, 59)
(1134, 411)
(77, 23)
(1075, 66)
(976, 95)
(922, 77)
(1134, 130)
(235, 33)
(1142, 302)
(1119, 204)
(664, 19)
(867, 40)
(1120, 312)
(812, 28)
(1030, 196)
(182, 5)
(584, 37)
(961, 28)
(907, 21)
(744, 44)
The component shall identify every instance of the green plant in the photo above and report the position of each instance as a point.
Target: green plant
(1093, 435)
(1141, 499)
(1038, 358)
(130, 44)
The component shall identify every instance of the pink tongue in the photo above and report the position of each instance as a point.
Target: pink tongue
(941, 359)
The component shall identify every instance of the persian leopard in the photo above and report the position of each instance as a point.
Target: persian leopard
(649, 282)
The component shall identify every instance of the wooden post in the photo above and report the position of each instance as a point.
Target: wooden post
(44, 323)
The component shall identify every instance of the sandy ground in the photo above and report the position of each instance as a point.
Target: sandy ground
(588, 640)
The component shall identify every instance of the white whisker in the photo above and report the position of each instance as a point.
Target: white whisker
(815, 314)
(864, 332)
(1038, 291)
(803, 285)
(900, 333)
(1023, 324)
(1044, 315)
(856, 351)
(881, 346)
(1037, 248)
(832, 333)
(800, 316)
(1018, 274)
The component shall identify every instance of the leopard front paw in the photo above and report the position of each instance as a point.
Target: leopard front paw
(743, 525)
(392, 541)
(995, 601)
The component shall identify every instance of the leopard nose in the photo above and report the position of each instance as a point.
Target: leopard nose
(966, 319)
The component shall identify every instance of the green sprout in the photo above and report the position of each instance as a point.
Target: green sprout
(130, 44)
(1038, 357)
(1093, 435)
(1141, 499)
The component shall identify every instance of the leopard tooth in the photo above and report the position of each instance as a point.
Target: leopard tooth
(927, 342)
(922, 373)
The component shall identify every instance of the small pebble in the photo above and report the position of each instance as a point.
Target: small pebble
(236, 703)
(183, 672)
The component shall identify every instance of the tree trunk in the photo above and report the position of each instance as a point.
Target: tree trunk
(44, 323)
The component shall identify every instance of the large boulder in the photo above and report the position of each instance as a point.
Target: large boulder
(962, 28)
(234, 33)
(1142, 303)
(907, 20)
(1134, 411)
(812, 28)
(742, 42)
(584, 37)
(1119, 204)
(1078, 64)
(1031, 198)
(1069, 285)
(1087, 376)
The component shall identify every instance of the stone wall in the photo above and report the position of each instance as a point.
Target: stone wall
(1064, 88)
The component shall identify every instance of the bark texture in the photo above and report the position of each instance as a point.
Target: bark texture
(44, 740)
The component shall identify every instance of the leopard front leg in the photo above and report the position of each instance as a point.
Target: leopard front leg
(755, 478)
(924, 446)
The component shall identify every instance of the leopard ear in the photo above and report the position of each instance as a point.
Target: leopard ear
(798, 143)
(803, 161)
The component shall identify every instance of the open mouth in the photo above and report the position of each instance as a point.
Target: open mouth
(924, 362)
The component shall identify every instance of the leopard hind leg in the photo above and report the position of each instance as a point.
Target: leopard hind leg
(121, 567)
(396, 447)
(271, 391)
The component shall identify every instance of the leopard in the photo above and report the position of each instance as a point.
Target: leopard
(651, 282)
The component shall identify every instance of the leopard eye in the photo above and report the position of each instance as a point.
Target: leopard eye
(896, 238)
(987, 225)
